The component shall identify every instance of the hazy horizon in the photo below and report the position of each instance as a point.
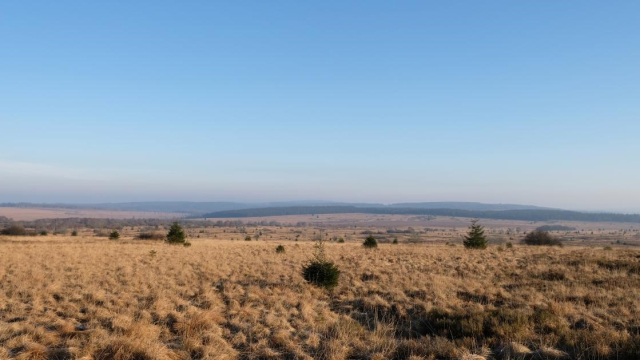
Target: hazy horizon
(493, 102)
(309, 200)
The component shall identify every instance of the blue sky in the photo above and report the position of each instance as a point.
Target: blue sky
(493, 101)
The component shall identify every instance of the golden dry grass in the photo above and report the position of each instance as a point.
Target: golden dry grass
(91, 298)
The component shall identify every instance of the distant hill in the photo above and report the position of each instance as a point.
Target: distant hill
(455, 209)
(525, 214)
(475, 206)
(192, 207)
(187, 207)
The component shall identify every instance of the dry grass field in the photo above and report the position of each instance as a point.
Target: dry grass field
(86, 297)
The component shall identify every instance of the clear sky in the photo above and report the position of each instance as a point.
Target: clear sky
(534, 102)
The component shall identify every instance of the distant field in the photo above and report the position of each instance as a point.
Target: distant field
(376, 220)
(17, 213)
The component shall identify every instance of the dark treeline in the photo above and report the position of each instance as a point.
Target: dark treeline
(555, 228)
(93, 223)
(43, 205)
(526, 215)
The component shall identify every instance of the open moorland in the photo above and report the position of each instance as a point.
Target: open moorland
(88, 297)
(419, 229)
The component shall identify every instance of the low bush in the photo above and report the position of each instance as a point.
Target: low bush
(370, 242)
(321, 273)
(280, 249)
(540, 238)
(14, 230)
(150, 236)
(114, 235)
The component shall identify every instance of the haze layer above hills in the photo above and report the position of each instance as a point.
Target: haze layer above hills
(193, 208)
(243, 210)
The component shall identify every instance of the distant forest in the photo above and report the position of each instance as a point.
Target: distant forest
(555, 228)
(64, 224)
(526, 215)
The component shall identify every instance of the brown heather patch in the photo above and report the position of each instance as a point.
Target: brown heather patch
(82, 298)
